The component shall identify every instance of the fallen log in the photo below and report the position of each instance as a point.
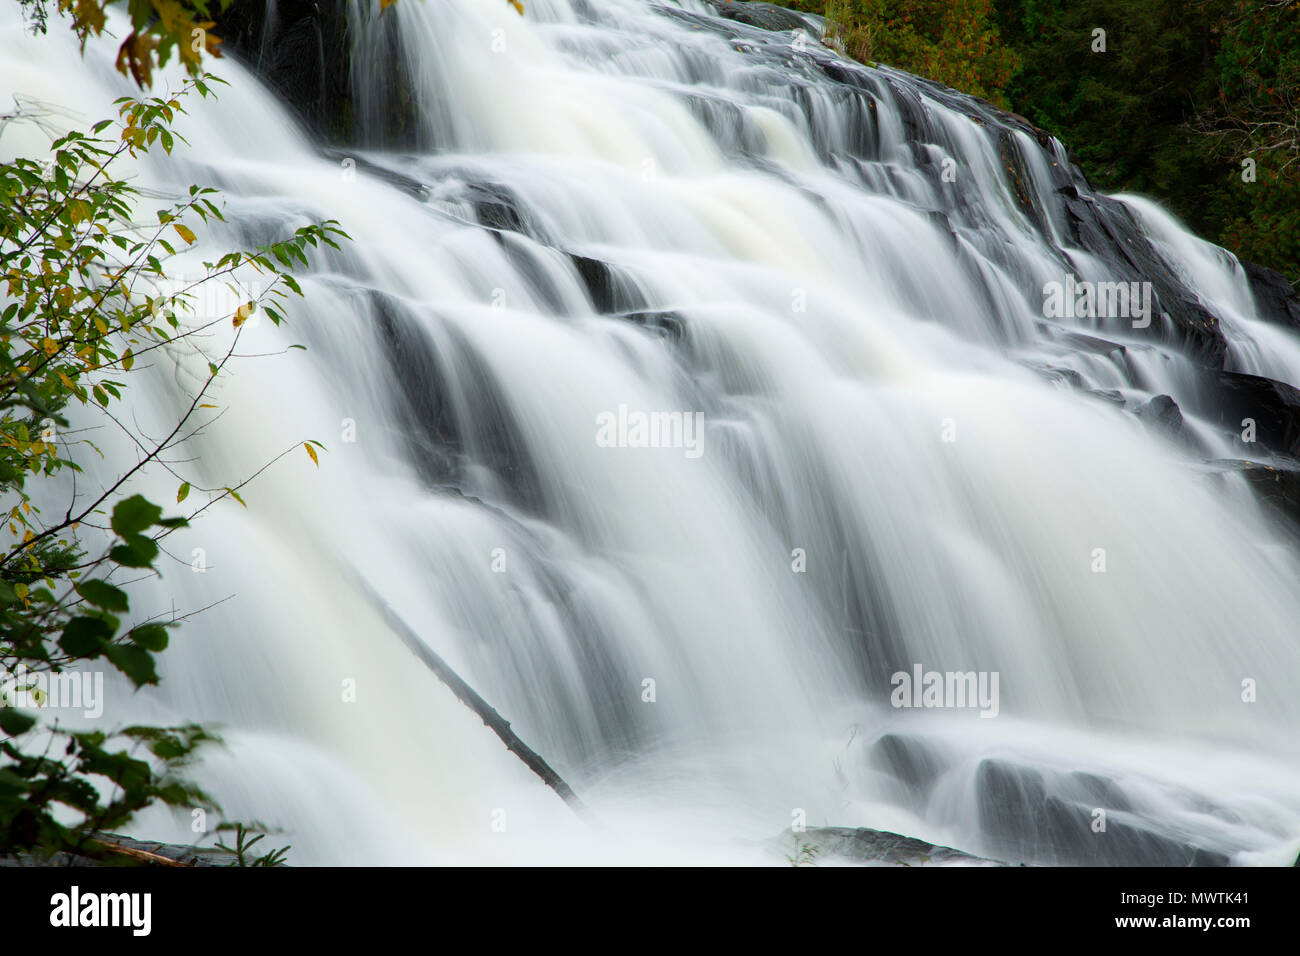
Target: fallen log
(140, 856)
(471, 699)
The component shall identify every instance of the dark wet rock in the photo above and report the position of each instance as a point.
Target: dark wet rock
(302, 50)
(911, 111)
(493, 205)
(1019, 179)
(1104, 227)
(1048, 816)
(299, 48)
(407, 184)
(1100, 791)
(1275, 297)
(1044, 815)
(913, 761)
(1108, 230)
(1278, 488)
(843, 71)
(669, 324)
(475, 447)
(609, 288)
(498, 208)
(118, 851)
(426, 414)
(1163, 413)
(1111, 395)
(866, 846)
(499, 215)
(1091, 343)
(1059, 374)
(731, 125)
(1229, 399)
(765, 16)
(1190, 326)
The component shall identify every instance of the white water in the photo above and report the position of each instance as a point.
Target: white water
(823, 432)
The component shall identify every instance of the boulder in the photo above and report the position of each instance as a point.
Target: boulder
(1043, 815)
(766, 16)
(1163, 414)
(112, 849)
(1230, 398)
(1275, 297)
(866, 846)
(1278, 488)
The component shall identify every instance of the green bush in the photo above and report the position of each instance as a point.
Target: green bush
(75, 326)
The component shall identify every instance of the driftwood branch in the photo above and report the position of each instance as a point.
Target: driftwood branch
(140, 856)
(471, 699)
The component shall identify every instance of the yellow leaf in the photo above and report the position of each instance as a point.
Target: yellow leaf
(184, 232)
(519, 7)
(128, 359)
(90, 15)
(50, 346)
(245, 310)
(312, 453)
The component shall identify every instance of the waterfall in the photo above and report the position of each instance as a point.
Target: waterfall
(599, 211)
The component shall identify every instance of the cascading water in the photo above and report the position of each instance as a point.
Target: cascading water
(902, 463)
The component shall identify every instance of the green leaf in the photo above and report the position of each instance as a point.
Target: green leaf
(152, 637)
(15, 722)
(102, 594)
(85, 636)
(183, 492)
(136, 551)
(133, 661)
(135, 514)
